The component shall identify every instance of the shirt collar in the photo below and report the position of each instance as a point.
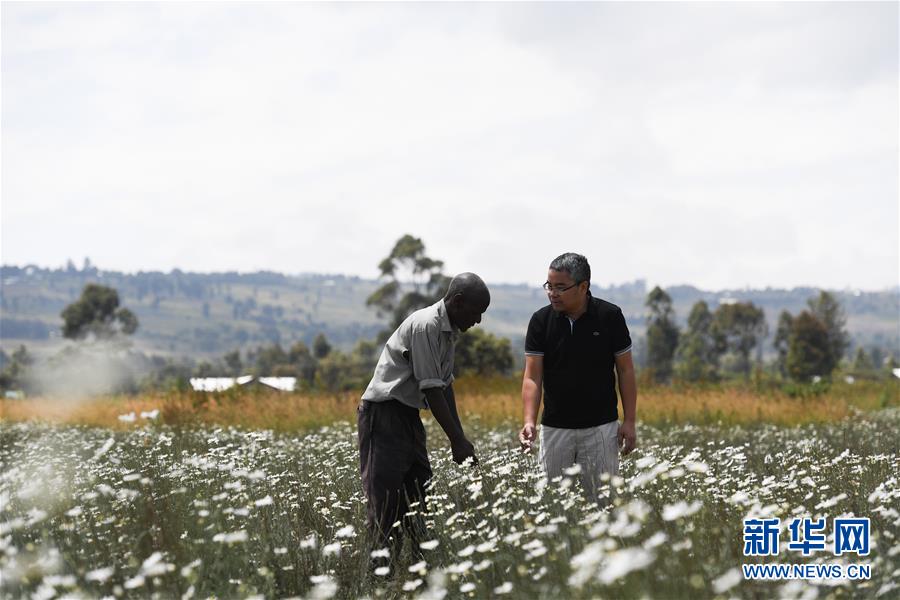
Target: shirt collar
(446, 325)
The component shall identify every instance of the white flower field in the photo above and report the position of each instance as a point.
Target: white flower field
(182, 513)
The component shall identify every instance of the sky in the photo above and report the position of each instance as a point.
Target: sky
(722, 145)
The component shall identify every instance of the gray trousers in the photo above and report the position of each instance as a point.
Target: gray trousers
(594, 449)
(394, 466)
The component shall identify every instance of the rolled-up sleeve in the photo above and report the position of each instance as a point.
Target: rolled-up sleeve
(425, 357)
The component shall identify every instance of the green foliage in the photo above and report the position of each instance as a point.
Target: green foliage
(233, 364)
(168, 374)
(738, 328)
(806, 390)
(321, 347)
(206, 369)
(783, 340)
(331, 371)
(303, 361)
(809, 354)
(268, 359)
(300, 306)
(813, 343)
(97, 313)
(407, 258)
(482, 353)
(862, 364)
(338, 371)
(890, 365)
(829, 311)
(662, 334)
(697, 359)
(22, 356)
(15, 368)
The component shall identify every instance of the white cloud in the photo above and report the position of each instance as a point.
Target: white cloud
(715, 144)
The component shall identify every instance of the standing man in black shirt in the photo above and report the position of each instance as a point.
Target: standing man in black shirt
(572, 349)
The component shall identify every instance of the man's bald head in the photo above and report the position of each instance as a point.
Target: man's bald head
(470, 286)
(466, 300)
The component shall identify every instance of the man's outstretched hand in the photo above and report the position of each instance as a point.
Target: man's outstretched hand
(527, 436)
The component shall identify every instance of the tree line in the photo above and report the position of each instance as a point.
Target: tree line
(97, 317)
(727, 342)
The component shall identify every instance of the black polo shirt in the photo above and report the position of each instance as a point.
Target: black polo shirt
(579, 363)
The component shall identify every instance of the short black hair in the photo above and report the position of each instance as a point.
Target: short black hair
(574, 264)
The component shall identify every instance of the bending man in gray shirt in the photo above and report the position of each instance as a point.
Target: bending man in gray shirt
(414, 371)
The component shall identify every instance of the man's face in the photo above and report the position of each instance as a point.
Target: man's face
(565, 296)
(468, 314)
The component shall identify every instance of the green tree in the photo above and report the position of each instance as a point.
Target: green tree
(206, 369)
(876, 353)
(332, 372)
(269, 359)
(22, 357)
(697, 358)
(15, 369)
(862, 364)
(662, 334)
(339, 371)
(366, 351)
(890, 364)
(482, 353)
(304, 363)
(829, 311)
(233, 363)
(783, 340)
(321, 347)
(738, 328)
(808, 352)
(363, 359)
(407, 260)
(97, 313)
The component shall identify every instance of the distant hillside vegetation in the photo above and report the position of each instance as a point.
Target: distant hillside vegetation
(208, 314)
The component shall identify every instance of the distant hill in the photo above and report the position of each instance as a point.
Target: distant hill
(208, 314)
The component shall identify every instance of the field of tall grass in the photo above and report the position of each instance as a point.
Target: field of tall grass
(494, 401)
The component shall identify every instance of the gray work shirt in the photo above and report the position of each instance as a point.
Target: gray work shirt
(417, 356)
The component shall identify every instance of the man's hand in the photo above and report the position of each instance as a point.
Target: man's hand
(443, 409)
(463, 450)
(532, 381)
(627, 437)
(527, 435)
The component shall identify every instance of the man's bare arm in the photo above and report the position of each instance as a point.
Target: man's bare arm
(450, 396)
(628, 392)
(532, 381)
(447, 418)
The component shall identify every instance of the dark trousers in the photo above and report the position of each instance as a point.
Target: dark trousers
(394, 466)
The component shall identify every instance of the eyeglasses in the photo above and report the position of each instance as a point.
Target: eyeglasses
(556, 290)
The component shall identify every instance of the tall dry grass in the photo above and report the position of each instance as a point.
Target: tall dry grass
(494, 401)
(733, 403)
